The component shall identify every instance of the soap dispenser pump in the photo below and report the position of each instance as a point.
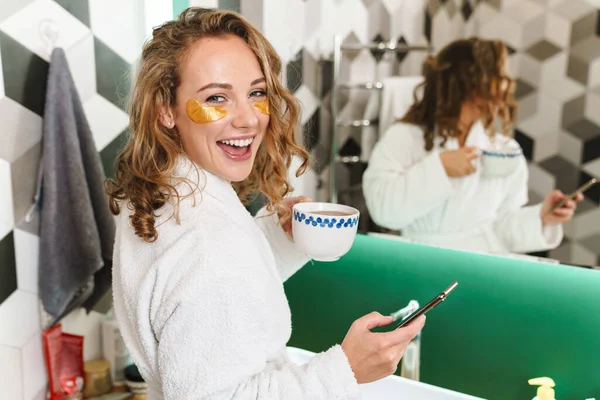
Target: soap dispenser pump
(544, 391)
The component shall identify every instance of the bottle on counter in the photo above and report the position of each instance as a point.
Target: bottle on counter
(114, 349)
(411, 361)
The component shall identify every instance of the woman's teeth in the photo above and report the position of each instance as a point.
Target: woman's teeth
(238, 143)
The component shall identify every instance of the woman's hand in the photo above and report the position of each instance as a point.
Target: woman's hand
(289, 204)
(562, 214)
(374, 356)
(458, 163)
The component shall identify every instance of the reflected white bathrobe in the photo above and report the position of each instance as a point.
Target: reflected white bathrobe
(203, 311)
(406, 188)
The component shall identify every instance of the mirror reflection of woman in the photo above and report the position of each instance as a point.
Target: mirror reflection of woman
(197, 281)
(425, 177)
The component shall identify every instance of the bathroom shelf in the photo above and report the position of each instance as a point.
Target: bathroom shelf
(384, 46)
(391, 46)
(357, 122)
(347, 159)
(361, 85)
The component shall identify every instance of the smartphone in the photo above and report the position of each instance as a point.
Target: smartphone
(433, 303)
(581, 189)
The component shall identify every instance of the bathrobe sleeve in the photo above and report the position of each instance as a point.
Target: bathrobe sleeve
(519, 227)
(287, 257)
(209, 328)
(399, 189)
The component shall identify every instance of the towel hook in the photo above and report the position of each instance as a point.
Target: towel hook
(49, 34)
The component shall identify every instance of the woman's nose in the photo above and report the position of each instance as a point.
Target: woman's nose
(245, 118)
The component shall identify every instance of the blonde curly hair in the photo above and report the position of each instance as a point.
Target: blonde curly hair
(145, 167)
(465, 69)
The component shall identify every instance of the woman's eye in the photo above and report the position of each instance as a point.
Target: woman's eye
(258, 93)
(215, 99)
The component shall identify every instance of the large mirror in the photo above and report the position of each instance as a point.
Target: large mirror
(364, 83)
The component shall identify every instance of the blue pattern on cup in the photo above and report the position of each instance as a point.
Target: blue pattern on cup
(502, 155)
(325, 222)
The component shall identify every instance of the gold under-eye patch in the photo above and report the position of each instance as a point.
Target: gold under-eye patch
(204, 114)
(263, 106)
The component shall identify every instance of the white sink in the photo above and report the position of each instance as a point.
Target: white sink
(392, 387)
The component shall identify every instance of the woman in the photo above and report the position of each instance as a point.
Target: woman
(424, 175)
(197, 281)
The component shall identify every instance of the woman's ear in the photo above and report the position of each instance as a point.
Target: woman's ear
(166, 117)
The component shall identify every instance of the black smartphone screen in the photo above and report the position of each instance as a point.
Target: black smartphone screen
(433, 303)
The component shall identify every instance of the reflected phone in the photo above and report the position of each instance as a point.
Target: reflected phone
(582, 189)
(433, 303)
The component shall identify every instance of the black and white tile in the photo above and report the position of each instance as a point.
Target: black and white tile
(102, 40)
(554, 48)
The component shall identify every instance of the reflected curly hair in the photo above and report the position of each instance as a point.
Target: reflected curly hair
(466, 69)
(145, 167)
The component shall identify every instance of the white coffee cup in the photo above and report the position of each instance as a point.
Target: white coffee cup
(324, 231)
(500, 163)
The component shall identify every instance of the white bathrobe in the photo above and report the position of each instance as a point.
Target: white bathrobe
(406, 188)
(202, 310)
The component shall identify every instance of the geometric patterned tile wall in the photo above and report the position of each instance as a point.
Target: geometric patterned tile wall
(310, 70)
(555, 51)
(555, 56)
(101, 46)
